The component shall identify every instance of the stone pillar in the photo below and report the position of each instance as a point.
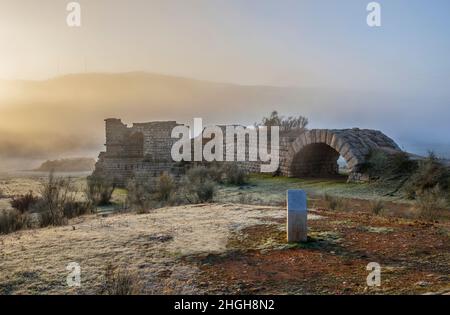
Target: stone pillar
(296, 216)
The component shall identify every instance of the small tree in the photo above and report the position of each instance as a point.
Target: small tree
(291, 123)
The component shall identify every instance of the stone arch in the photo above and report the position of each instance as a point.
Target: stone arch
(318, 149)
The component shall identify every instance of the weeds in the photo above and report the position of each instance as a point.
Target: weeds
(377, 206)
(24, 203)
(165, 188)
(120, 281)
(56, 194)
(139, 195)
(235, 175)
(198, 185)
(430, 174)
(431, 204)
(99, 190)
(13, 220)
(333, 203)
(383, 166)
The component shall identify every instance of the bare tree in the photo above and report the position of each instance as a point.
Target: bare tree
(290, 123)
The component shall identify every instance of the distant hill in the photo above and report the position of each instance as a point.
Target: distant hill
(64, 116)
(68, 165)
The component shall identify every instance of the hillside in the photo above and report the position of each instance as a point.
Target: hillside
(67, 165)
(65, 115)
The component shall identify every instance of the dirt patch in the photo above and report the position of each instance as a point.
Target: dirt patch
(414, 256)
(231, 249)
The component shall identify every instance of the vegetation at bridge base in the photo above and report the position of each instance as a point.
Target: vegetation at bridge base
(382, 166)
(427, 181)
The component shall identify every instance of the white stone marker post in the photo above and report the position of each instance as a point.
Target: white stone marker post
(296, 216)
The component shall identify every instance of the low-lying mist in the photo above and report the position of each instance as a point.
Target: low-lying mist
(64, 117)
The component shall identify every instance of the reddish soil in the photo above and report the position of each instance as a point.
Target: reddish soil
(414, 257)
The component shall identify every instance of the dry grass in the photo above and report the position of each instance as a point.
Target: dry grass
(334, 202)
(151, 244)
(13, 220)
(431, 204)
(377, 206)
(120, 281)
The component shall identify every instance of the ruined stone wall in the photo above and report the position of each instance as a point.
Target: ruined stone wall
(140, 152)
(143, 151)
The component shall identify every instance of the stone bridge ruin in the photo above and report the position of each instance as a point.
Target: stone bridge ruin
(143, 151)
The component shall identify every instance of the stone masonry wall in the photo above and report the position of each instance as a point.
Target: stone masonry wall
(143, 151)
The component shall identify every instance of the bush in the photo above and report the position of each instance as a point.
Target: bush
(24, 203)
(235, 175)
(56, 194)
(216, 172)
(430, 174)
(332, 202)
(199, 186)
(380, 165)
(119, 281)
(377, 206)
(288, 124)
(165, 187)
(431, 204)
(99, 190)
(74, 209)
(13, 220)
(139, 195)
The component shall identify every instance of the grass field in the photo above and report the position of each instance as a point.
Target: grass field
(235, 245)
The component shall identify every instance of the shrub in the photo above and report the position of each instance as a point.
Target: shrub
(216, 172)
(380, 165)
(376, 206)
(74, 209)
(235, 175)
(199, 186)
(400, 164)
(430, 174)
(99, 190)
(288, 124)
(120, 281)
(165, 187)
(332, 202)
(139, 196)
(431, 204)
(56, 194)
(25, 202)
(13, 220)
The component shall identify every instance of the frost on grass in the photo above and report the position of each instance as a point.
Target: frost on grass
(152, 245)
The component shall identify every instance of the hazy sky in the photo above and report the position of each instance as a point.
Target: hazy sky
(394, 77)
(283, 42)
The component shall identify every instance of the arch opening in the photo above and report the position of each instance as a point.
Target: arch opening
(317, 160)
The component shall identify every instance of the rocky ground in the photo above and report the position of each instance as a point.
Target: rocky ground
(232, 249)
